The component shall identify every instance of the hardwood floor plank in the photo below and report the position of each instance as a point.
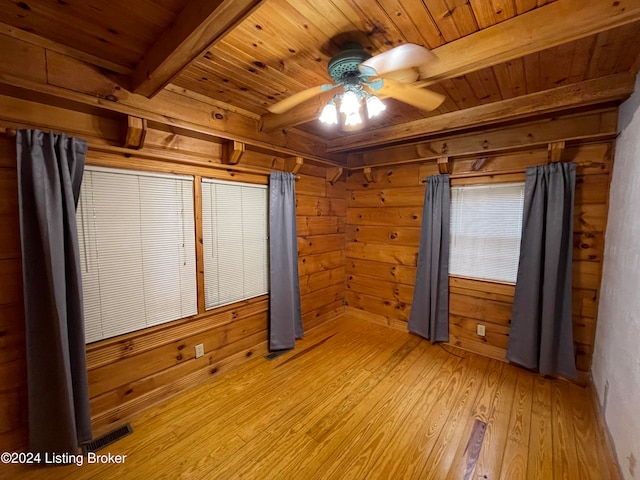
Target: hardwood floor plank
(565, 460)
(322, 428)
(352, 427)
(474, 446)
(193, 460)
(540, 464)
(240, 466)
(481, 411)
(584, 428)
(263, 458)
(490, 460)
(610, 468)
(514, 463)
(443, 452)
(412, 442)
(358, 458)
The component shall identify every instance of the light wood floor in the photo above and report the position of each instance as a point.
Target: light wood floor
(357, 400)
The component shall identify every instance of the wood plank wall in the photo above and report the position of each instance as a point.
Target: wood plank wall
(321, 209)
(383, 230)
(132, 372)
(13, 390)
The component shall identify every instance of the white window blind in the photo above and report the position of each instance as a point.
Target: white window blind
(486, 225)
(234, 228)
(137, 250)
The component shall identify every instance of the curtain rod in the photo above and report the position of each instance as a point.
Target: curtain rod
(11, 132)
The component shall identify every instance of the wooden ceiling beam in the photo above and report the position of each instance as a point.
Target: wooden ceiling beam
(54, 78)
(200, 24)
(590, 92)
(33, 39)
(556, 23)
(596, 125)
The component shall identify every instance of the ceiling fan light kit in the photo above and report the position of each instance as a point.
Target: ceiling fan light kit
(360, 75)
(350, 103)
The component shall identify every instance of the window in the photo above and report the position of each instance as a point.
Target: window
(234, 229)
(486, 224)
(137, 250)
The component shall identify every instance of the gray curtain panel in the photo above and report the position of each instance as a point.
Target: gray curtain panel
(50, 169)
(284, 309)
(429, 316)
(541, 335)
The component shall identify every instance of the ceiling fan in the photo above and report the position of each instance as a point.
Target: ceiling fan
(361, 76)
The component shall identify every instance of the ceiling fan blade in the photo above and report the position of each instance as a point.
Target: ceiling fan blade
(406, 75)
(418, 97)
(402, 57)
(297, 98)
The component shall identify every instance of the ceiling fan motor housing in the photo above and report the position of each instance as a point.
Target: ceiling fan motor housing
(345, 64)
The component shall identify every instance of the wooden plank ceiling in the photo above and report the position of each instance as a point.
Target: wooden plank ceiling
(251, 54)
(120, 31)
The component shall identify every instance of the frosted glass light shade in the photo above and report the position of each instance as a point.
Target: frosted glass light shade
(374, 106)
(329, 114)
(350, 104)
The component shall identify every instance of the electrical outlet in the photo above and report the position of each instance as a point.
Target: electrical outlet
(480, 330)
(199, 350)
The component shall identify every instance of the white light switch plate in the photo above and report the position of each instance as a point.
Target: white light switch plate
(199, 350)
(480, 330)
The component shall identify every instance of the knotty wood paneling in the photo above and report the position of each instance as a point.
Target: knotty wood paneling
(13, 385)
(473, 302)
(129, 373)
(383, 231)
(321, 218)
(118, 33)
